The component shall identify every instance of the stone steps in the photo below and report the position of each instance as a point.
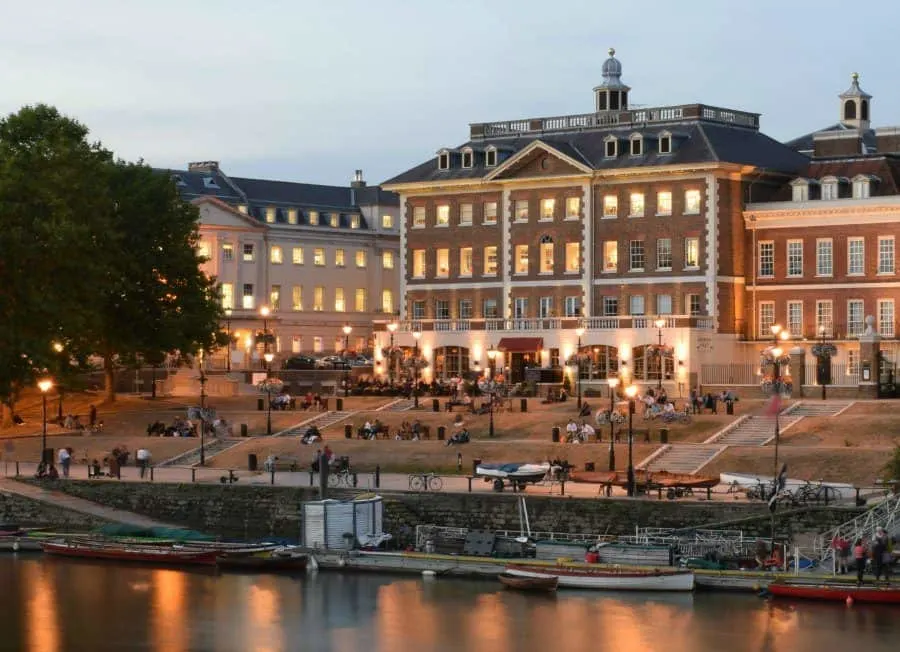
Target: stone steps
(213, 447)
(684, 458)
(756, 430)
(320, 421)
(400, 405)
(819, 408)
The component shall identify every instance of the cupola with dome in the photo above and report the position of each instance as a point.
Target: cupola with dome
(612, 93)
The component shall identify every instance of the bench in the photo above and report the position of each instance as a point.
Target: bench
(287, 464)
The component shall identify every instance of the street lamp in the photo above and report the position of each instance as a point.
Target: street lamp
(268, 358)
(264, 312)
(613, 383)
(58, 347)
(631, 392)
(416, 335)
(347, 330)
(659, 323)
(228, 332)
(392, 327)
(45, 386)
(823, 360)
(775, 355)
(579, 332)
(202, 416)
(492, 357)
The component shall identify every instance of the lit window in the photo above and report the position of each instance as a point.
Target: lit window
(545, 307)
(824, 257)
(419, 263)
(387, 301)
(418, 217)
(297, 255)
(573, 208)
(297, 298)
(318, 344)
(247, 299)
(339, 257)
(521, 207)
(664, 203)
(664, 254)
(636, 256)
(886, 254)
(636, 304)
(610, 206)
(361, 259)
(795, 258)
(465, 309)
(227, 294)
(767, 259)
(794, 318)
(855, 317)
(693, 301)
(465, 261)
(546, 255)
(573, 257)
(276, 255)
(270, 214)
(354, 221)
(636, 205)
(691, 202)
(319, 298)
(610, 256)
(292, 216)
(490, 261)
(443, 263)
(443, 215)
(339, 305)
(227, 252)
(548, 206)
(387, 221)
(203, 249)
(766, 317)
(856, 252)
(319, 257)
(692, 253)
(489, 309)
(824, 318)
(314, 218)
(573, 306)
(886, 317)
(296, 343)
(490, 212)
(387, 260)
(852, 362)
(334, 220)
(521, 259)
(249, 253)
(275, 298)
(465, 214)
(360, 300)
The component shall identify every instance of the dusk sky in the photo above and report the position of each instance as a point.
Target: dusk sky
(309, 91)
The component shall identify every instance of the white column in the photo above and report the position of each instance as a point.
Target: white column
(505, 252)
(401, 294)
(712, 246)
(587, 249)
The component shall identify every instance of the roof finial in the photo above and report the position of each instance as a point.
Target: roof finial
(612, 52)
(855, 77)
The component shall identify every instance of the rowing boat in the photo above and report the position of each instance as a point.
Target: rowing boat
(642, 478)
(160, 555)
(528, 583)
(870, 593)
(609, 579)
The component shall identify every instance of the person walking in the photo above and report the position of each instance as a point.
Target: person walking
(879, 548)
(65, 459)
(859, 556)
(143, 460)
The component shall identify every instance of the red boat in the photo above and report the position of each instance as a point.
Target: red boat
(145, 554)
(869, 593)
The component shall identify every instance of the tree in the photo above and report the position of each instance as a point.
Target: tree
(155, 300)
(52, 208)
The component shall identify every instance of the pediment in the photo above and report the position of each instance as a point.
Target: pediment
(539, 160)
(215, 212)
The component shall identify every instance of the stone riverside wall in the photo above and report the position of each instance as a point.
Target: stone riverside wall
(258, 511)
(26, 512)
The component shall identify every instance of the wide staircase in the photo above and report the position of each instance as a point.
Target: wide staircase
(320, 421)
(684, 458)
(885, 514)
(212, 447)
(400, 405)
(756, 430)
(818, 408)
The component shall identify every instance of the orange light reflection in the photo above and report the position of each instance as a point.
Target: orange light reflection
(41, 613)
(170, 631)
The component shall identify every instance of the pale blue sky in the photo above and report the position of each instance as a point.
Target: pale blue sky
(309, 90)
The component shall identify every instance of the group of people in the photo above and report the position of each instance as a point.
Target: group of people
(879, 552)
(577, 433)
(710, 401)
(73, 422)
(180, 427)
(311, 401)
(282, 401)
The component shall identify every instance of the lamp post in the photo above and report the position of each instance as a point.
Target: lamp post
(613, 383)
(392, 328)
(659, 323)
(202, 416)
(228, 332)
(492, 357)
(268, 358)
(579, 332)
(45, 386)
(631, 392)
(347, 330)
(822, 361)
(416, 335)
(58, 347)
(264, 313)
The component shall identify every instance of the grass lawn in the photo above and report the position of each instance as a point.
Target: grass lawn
(864, 425)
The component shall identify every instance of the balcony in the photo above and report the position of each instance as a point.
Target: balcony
(532, 324)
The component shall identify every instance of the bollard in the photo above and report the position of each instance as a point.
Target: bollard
(244, 432)
(554, 434)
(231, 478)
(151, 473)
(193, 474)
(458, 462)
(562, 487)
(435, 405)
(272, 475)
(441, 433)
(310, 478)
(470, 484)
(339, 404)
(523, 405)
(260, 404)
(663, 435)
(355, 479)
(377, 476)
(17, 468)
(348, 429)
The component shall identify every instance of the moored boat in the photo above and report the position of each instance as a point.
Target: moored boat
(272, 561)
(528, 583)
(609, 579)
(868, 593)
(160, 555)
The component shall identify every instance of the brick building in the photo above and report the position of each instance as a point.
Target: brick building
(637, 225)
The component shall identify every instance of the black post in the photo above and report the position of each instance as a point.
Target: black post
(578, 370)
(153, 381)
(202, 417)
(612, 456)
(323, 476)
(44, 424)
(825, 359)
(631, 491)
(228, 332)
(659, 355)
(377, 476)
(612, 407)
(416, 383)
(346, 367)
(391, 360)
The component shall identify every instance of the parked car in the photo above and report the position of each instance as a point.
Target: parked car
(329, 362)
(300, 362)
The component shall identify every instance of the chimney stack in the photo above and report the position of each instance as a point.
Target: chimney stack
(358, 180)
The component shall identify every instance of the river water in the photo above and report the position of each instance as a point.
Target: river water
(57, 605)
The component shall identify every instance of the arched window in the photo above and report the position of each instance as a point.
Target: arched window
(651, 360)
(864, 110)
(611, 147)
(849, 110)
(665, 143)
(637, 144)
(468, 157)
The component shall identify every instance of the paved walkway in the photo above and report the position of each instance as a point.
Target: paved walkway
(60, 499)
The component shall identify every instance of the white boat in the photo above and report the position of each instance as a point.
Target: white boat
(514, 471)
(609, 579)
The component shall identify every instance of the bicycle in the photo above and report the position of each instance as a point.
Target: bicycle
(425, 481)
(341, 478)
(677, 417)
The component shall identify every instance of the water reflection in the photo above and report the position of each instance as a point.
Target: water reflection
(73, 606)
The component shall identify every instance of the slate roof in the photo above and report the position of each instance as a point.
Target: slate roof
(692, 142)
(885, 167)
(804, 143)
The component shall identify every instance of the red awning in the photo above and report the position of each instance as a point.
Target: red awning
(521, 344)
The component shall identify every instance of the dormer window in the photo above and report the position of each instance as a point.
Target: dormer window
(443, 160)
(209, 182)
(862, 186)
(468, 158)
(270, 215)
(611, 147)
(490, 157)
(637, 145)
(829, 188)
(179, 181)
(292, 216)
(800, 190)
(665, 143)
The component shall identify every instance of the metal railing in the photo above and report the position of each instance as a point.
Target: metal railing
(885, 514)
(525, 324)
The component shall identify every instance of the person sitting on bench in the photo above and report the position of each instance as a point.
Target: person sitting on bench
(585, 410)
(461, 437)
